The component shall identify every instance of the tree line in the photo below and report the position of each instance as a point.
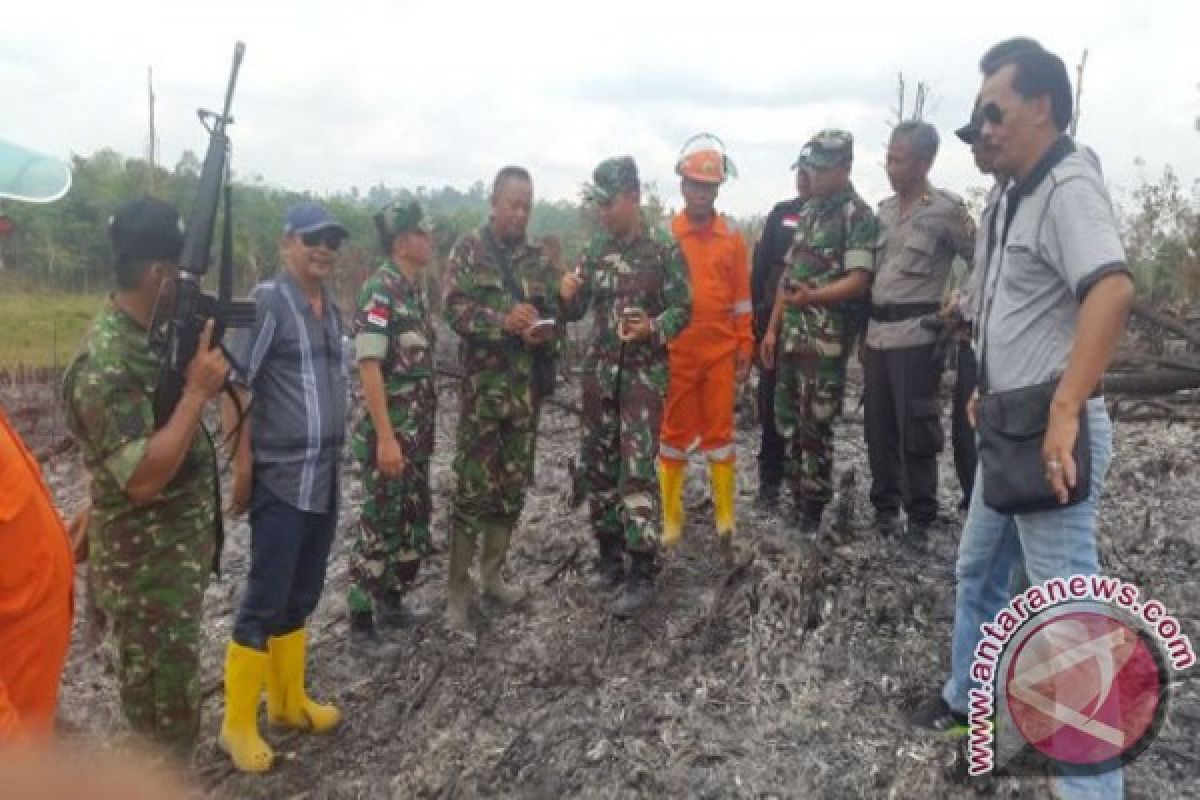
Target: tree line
(63, 245)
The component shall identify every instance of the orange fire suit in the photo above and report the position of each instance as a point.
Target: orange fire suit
(36, 585)
(700, 395)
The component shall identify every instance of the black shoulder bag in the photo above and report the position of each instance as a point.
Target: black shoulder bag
(545, 361)
(1012, 425)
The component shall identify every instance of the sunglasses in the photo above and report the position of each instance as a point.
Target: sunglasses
(330, 237)
(992, 114)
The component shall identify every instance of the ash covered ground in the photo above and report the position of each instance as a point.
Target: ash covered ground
(785, 677)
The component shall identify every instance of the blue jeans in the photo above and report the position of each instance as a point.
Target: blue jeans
(289, 551)
(1053, 544)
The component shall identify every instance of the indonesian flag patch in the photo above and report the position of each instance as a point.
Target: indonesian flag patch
(379, 311)
(790, 220)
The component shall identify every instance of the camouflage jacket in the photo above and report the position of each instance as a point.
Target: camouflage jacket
(646, 273)
(392, 325)
(108, 395)
(834, 235)
(497, 366)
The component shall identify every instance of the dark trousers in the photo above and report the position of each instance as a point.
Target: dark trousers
(903, 430)
(289, 550)
(771, 448)
(962, 435)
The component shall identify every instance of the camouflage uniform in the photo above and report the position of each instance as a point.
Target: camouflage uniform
(392, 325)
(148, 564)
(833, 235)
(497, 424)
(624, 383)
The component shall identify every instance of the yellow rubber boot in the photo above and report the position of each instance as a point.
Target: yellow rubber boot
(724, 488)
(723, 482)
(670, 481)
(245, 676)
(288, 704)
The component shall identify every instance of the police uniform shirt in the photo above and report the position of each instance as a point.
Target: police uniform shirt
(915, 253)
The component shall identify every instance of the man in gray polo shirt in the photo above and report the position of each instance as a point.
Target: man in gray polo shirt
(922, 229)
(286, 474)
(1055, 299)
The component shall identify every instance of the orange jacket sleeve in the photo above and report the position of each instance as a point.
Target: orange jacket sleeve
(743, 306)
(10, 721)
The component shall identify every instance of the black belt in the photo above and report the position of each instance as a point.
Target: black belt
(898, 312)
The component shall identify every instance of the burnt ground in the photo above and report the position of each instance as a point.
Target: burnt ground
(786, 677)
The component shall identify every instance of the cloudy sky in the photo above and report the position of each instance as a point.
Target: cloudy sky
(357, 92)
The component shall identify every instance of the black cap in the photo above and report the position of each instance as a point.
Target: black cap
(146, 229)
(971, 132)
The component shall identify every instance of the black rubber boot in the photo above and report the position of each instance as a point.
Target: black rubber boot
(638, 591)
(807, 518)
(916, 534)
(394, 613)
(768, 497)
(365, 639)
(888, 524)
(609, 566)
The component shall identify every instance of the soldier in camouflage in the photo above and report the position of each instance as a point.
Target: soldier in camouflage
(502, 299)
(154, 495)
(394, 344)
(831, 262)
(636, 283)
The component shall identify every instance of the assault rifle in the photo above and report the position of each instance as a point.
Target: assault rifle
(176, 338)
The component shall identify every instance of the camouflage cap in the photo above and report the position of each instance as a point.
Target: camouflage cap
(611, 177)
(398, 218)
(407, 218)
(804, 160)
(829, 148)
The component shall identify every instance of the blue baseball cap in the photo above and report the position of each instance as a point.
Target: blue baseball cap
(310, 217)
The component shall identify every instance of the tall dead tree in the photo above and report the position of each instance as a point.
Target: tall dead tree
(152, 139)
(902, 112)
(1078, 91)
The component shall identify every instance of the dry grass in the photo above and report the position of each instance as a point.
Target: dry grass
(43, 328)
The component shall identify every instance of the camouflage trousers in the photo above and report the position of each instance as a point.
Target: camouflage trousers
(620, 444)
(393, 533)
(808, 397)
(153, 606)
(494, 465)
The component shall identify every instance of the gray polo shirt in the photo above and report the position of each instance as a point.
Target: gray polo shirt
(1062, 238)
(295, 366)
(913, 262)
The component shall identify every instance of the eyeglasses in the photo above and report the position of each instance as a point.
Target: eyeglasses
(330, 237)
(992, 114)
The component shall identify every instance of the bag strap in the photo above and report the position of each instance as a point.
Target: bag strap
(1011, 200)
(511, 284)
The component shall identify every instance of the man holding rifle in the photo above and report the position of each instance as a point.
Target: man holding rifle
(153, 490)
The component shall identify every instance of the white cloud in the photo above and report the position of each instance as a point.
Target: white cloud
(354, 93)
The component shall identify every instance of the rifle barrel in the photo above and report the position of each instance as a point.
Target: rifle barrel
(239, 50)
